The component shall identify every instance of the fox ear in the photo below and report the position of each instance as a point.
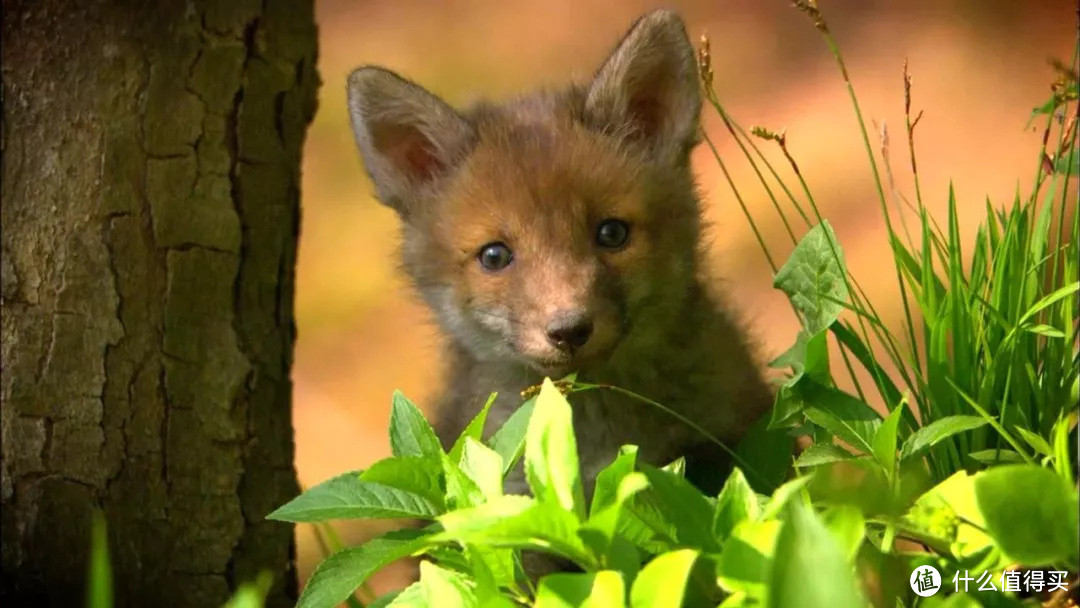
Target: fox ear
(407, 136)
(648, 87)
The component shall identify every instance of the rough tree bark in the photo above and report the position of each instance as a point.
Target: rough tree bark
(151, 155)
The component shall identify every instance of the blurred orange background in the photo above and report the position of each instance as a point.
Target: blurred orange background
(978, 67)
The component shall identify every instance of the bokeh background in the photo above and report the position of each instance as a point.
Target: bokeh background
(978, 68)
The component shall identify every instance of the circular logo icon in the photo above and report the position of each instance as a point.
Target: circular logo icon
(925, 581)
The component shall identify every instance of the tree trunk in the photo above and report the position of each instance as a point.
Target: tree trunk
(151, 153)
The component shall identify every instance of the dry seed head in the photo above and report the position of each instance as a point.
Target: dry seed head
(764, 133)
(705, 61)
(811, 9)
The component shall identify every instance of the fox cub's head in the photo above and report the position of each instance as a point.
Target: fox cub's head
(555, 228)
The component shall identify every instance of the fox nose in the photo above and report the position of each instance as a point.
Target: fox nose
(569, 330)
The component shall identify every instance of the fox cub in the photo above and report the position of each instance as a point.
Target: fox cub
(562, 231)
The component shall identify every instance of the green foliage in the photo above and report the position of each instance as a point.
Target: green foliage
(948, 441)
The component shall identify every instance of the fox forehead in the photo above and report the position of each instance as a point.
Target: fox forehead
(535, 173)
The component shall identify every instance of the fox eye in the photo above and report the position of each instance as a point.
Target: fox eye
(495, 256)
(612, 233)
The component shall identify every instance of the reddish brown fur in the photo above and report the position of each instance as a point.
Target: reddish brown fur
(539, 174)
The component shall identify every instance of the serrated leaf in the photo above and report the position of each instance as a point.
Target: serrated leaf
(662, 582)
(348, 497)
(445, 588)
(475, 428)
(551, 459)
(417, 474)
(813, 278)
(847, 417)
(810, 569)
(938, 430)
(410, 433)
(735, 504)
(509, 440)
(1030, 512)
(339, 575)
(606, 487)
(818, 454)
(604, 589)
(517, 522)
(461, 491)
(684, 506)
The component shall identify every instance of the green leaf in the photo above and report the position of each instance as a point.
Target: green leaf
(810, 569)
(251, 594)
(662, 582)
(847, 525)
(410, 433)
(847, 417)
(517, 522)
(604, 589)
(606, 488)
(945, 510)
(1036, 441)
(818, 454)
(1030, 512)
(339, 575)
(1045, 330)
(783, 495)
(684, 506)
(445, 588)
(99, 590)
(735, 504)
(509, 440)
(995, 456)
(769, 454)
(475, 428)
(484, 466)
(461, 491)
(348, 497)
(884, 444)
(933, 433)
(409, 597)
(813, 278)
(416, 474)
(599, 530)
(747, 558)
(551, 460)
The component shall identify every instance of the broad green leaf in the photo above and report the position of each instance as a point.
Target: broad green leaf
(845, 416)
(348, 497)
(662, 582)
(813, 278)
(483, 466)
(599, 530)
(810, 569)
(517, 522)
(409, 597)
(417, 474)
(735, 504)
(747, 558)
(944, 510)
(676, 467)
(684, 506)
(884, 443)
(492, 569)
(788, 406)
(818, 454)
(445, 588)
(608, 479)
(933, 433)
(338, 576)
(1030, 512)
(848, 526)
(475, 428)
(551, 459)
(603, 589)
(509, 440)
(783, 495)
(461, 491)
(410, 433)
